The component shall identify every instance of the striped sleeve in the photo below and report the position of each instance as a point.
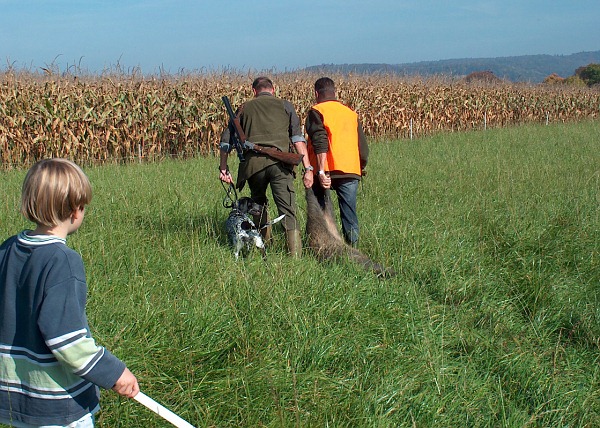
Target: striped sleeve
(77, 351)
(63, 324)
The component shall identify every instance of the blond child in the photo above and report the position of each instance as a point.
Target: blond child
(50, 366)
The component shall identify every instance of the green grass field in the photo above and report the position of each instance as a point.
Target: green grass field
(492, 321)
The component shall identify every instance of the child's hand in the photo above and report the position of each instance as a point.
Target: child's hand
(127, 385)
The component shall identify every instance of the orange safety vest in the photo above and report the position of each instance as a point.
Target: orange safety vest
(341, 124)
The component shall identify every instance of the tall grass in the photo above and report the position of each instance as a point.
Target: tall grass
(492, 320)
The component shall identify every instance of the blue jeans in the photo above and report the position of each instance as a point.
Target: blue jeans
(346, 190)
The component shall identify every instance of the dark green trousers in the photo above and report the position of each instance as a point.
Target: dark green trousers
(281, 181)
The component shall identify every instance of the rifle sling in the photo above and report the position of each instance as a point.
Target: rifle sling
(289, 158)
(269, 151)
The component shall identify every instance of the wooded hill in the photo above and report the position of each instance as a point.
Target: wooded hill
(526, 68)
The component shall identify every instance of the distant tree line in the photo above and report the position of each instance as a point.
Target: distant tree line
(527, 68)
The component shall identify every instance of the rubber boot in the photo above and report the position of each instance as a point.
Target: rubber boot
(294, 242)
(260, 221)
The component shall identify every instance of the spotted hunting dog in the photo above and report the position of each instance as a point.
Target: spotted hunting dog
(242, 233)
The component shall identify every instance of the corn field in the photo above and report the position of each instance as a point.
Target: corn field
(127, 118)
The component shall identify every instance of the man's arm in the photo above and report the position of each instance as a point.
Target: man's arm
(316, 132)
(363, 148)
(299, 142)
(295, 129)
(224, 150)
(320, 143)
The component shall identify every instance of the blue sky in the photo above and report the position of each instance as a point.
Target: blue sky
(175, 36)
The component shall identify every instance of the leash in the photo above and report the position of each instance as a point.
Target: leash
(229, 200)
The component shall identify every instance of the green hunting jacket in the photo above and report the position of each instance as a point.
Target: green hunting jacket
(266, 121)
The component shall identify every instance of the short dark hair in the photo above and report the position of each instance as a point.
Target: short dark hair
(325, 85)
(261, 83)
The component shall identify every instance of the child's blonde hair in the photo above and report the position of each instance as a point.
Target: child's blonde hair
(52, 190)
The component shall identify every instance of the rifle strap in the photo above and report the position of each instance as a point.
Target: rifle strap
(239, 111)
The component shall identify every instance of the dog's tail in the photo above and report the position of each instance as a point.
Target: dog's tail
(325, 240)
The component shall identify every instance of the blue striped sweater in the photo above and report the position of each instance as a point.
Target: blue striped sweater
(50, 366)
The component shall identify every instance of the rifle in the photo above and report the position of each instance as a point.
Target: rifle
(240, 142)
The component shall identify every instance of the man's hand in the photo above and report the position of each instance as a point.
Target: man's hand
(308, 178)
(127, 384)
(325, 180)
(225, 176)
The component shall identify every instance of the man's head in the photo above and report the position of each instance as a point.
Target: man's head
(53, 189)
(324, 89)
(262, 84)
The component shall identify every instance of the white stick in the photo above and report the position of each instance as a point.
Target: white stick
(162, 411)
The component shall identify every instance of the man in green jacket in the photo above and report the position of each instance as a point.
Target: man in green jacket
(272, 122)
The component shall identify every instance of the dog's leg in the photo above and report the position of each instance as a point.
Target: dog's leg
(238, 248)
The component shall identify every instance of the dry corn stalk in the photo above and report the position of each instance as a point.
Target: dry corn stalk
(123, 118)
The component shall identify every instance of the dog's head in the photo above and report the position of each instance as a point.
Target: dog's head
(247, 206)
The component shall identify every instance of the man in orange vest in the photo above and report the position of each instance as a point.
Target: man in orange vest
(338, 149)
